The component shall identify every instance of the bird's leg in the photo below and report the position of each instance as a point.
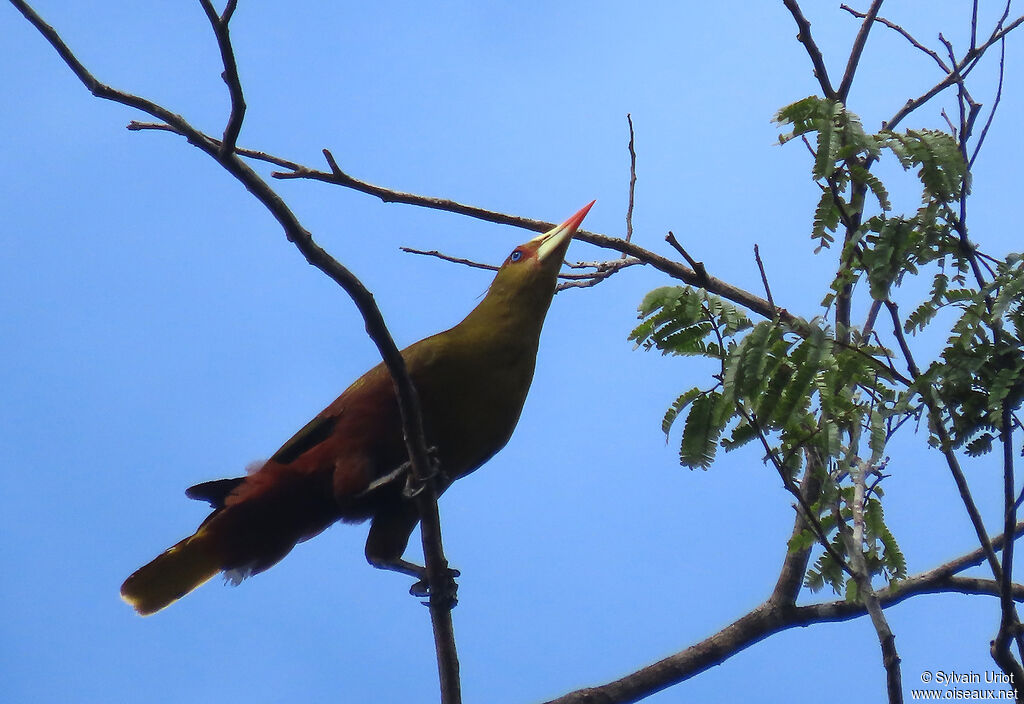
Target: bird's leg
(388, 538)
(403, 469)
(413, 484)
(422, 586)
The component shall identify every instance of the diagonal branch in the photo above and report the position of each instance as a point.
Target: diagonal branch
(696, 276)
(449, 258)
(805, 38)
(855, 52)
(995, 104)
(1008, 622)
(965, 64)
(602, 270)
(904, 33)
(230, 75)
(794, 566)
(632, 181)
(854, 540)
(764, 276)
(771, 618)
(412, 422)
(338, 177)
(674, 269)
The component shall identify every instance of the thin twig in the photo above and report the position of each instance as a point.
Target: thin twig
(995, 104)
(230, 75)
(855, 549)
(946, 447)
(764, 277)
(602, 270)
(605, 265)
(857, 50)
(805, 38)
(449, 258)
(901, 339)
(137, 126)
(953, 129)
(869, 322)
(698, 267)
(1006, 13)
(971, 56)
(804, 503)
(1009, 620)
(794, 565)
(632, 182)
(906, 35)
(974, 24)
(969, 111)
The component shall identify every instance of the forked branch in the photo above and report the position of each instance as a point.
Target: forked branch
(224, 153)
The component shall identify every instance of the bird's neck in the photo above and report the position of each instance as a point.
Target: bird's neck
(508, 318)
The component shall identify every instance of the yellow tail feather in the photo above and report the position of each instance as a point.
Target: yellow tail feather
(172, 575)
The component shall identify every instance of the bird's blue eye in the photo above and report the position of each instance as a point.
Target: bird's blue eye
(516, 255)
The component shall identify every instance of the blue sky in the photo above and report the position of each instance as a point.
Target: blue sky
(157, 330)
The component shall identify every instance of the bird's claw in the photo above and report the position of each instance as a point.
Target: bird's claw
(446, 594)
(414, 485)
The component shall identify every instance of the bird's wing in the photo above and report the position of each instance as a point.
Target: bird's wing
(312, 434)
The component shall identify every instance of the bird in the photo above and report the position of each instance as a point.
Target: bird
(349, 463)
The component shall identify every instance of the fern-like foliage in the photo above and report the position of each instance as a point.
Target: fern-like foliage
(803, 391)
(937, 156)
(882, 554)
(980, 372)
(841, 147)
(790, 384)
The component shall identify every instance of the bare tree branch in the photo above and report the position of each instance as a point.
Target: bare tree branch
(449, 258)
(794, 566)
(412, 423)
(698, 267)
(995, 103)
(764, 277)
(1008, 622)
(137, 126)
(632, 181)
(974, 24)
(771, 618)
(946, 446)
(805, 38)
(855, 52)
(906, 35)
(230, 75)
(951, 78)
(667, 266)
(602, 270)
(865, 591)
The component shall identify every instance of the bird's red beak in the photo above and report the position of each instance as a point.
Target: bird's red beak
(557, 238)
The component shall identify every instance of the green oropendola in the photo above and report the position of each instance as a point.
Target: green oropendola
(348, 463)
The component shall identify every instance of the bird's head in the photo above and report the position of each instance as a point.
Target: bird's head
(531, 269)
(512, 313)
